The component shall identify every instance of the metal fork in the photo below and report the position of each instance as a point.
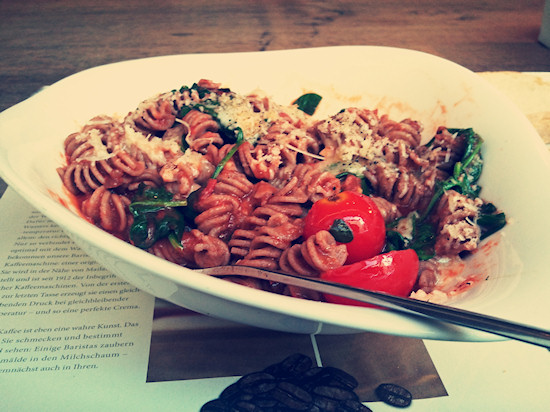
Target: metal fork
(497, 326)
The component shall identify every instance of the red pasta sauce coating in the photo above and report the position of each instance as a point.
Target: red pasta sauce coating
(252, 212)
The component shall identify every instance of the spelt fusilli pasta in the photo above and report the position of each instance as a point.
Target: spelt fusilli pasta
(203, 176)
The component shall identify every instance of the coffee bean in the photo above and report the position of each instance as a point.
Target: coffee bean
(316, 372)
(257, 383)
(292, 396)
(230, 393)
(314, 377)
(233, 394)
(245, 406)
(291, 367)
(293, 384)
(352, 405)
(334, 392)
(394, 395)
(328, 376)
(216, 405)
(265, 401)
(325, 404)
(338, 376)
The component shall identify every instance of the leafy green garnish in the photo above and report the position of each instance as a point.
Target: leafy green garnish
(229, 155)
(155, 217)
(207, 106)
(466, 171)
(422, 239)
(490, 220)
(366, 186)
(202, 91)
(394, 240)
(152, 193)
(308, 102)
(341, 231)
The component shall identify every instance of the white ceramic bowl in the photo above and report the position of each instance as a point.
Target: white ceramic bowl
(402, 83)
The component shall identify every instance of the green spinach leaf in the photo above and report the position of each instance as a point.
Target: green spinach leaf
(490, 220)
(156, 216)
(239, 139)
(422, 239)
(308, 102)
(341, 231)
(466, 171)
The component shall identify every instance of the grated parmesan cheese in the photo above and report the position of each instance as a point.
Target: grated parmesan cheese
(99, 152)
(356, 139)
(236, 111)
(155, 147)
(190, 158)
(405, 226)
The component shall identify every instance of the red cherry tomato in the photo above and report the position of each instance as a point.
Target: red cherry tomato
(362, 218)
(394, 273)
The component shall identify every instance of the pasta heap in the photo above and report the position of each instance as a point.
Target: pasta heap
(203, 176)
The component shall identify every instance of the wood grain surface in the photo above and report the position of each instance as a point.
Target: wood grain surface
(42, 41)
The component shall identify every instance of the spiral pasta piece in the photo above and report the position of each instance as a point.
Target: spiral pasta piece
(261, 161)
(182, 177)
(217, 220)
(197, 250)
(389, 210)
(203, 250)
(407, 131)
(399, 153)
(202, 131)
(241, 240)
(85, 176)
(288, 132)
(223, 209)
(349, 123)
(189, 97)
(399, 186)
(445, 150)
(259, 103)
(291, 133)
(352, 183)
(97, 139)
(150, 178)
(163, 249)
(76, 146)
(107, 210)
(268, 203)
(269, 241)
(216, 154)
(456, 215)
(153, 115)
(276, 153)
(316, 182)
(317, 254)
(277, 204)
